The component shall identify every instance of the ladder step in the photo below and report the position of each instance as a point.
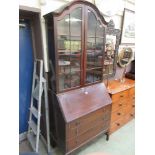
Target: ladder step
(34, 112)
(32, 139)
(36, 77)
(33, 126)
(36, 92)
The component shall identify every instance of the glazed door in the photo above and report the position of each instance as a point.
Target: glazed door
(80, 48)
(94, 45)
(69, 49)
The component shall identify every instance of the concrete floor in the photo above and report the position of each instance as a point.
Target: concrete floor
(121, 142)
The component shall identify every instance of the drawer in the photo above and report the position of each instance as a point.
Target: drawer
(77, 141)
(105, 112)
(117, 115)
(116, 125)
(74, 132)
(129, 108)
(82, 128)
(120, 96)
(132, 91)
(117, 105)
(129, 116)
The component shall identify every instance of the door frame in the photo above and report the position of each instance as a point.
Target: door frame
(34, 15)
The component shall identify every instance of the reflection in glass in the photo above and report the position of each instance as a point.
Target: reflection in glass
(63, 27)
(91, 24)
(97, 74)
(94, 75)
(100, 30)
(76, 22)
(95, 49)
(75, 79)
(109, 55)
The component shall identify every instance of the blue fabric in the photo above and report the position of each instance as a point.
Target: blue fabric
(25, 74)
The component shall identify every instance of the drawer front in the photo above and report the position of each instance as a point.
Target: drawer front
(132, 91)
(77, 141)
(116, 125)
(104, 112)
(89, 118)
(129, 116)
(129, 108)
(79, 130)
(117, 115)
(82, 125)
(120, 96)
(117, 105)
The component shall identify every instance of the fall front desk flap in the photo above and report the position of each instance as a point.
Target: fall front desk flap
(80, 102)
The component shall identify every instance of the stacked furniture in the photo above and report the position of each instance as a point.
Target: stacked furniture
(123, 102)
(79, 103)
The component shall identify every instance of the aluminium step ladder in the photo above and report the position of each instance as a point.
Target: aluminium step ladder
(39, 87)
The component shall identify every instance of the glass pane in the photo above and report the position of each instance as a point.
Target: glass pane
(75, 62)
(76, 22)
(99, 52)
(75, 79)
(69, 50)
(64, 81)
(75, 44)
(97, 75)
(91, 24)
(99, 30)
(99, 44)
(64, 43)
(90, 58)
(64, 64)
(91, 43)
(89, 76)
(63, 26)
(90, 52)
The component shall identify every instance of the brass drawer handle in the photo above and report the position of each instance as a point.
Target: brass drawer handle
(118, 113)
(118, 124)
(121, 95)
(131, 115)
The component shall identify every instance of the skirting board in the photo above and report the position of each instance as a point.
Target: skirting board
(22, 136)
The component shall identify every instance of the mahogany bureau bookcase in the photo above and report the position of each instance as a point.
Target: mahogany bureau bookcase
(123, 102)
(80, 106)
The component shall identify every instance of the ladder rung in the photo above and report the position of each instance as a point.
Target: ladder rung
(32, 139)
(36, 77)
(34, 112)
(36, 93)
(33, 127)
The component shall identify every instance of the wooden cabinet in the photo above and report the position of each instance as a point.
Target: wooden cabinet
(80, 106)
(123, 103)
(79, 116)
(76, 46)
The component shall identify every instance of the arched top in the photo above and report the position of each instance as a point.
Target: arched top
(69, 5)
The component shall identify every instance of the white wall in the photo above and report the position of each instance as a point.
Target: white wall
(47, 6)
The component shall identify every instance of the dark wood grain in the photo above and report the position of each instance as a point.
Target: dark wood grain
(83, 101)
